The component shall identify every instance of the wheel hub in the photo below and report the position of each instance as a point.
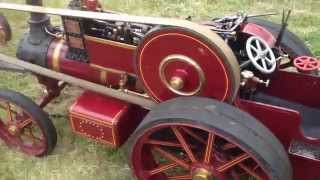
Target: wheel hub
(13, 130)
(181, 75)
(177, 83)
(202, 174)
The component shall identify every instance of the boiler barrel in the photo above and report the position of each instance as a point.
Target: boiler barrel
(57, 60)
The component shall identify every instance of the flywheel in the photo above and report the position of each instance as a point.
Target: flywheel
(174, 62)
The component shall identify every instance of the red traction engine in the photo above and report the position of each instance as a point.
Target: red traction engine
(230, 98)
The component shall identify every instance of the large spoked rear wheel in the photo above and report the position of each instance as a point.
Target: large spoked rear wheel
(24, 126)
(201, 139)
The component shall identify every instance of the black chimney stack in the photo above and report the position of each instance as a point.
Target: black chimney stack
(38, 22)
(34, 45)
(36, 16)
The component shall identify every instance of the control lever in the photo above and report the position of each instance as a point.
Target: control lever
(266, 83)
(249, 78)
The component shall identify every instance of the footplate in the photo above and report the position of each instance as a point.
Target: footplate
(305, 150)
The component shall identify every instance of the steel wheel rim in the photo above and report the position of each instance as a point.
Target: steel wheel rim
(218, 167)
(29, 138)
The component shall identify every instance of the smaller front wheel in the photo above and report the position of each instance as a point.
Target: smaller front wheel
(24, 125)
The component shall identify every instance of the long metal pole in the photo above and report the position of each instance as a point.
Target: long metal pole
(134, 99)
(90, 14)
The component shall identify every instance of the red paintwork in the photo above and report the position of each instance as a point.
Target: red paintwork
(256, 30)
(78, 69)
(184, 71)
(145, 154)
(279, 117)
(306, 64)
(92, 5)
(285, 124)
(296, 87)
(23, 121)
(158, 46)
(104, 119)
(110, 56)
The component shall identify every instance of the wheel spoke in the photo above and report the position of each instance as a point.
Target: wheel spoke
(228, 146)
(233, 162)
(184, 144)
(258, 45)
(32, 136)
(163, 168)
(172, 157)
(194, 135)
(8, 109)
(270, 62)
(37, 142)
(209, 148)
(250, 171)
(264, 64)
(163, 143)
(185, 177)
(256, 58)
(254, 49)
(266, 51)
(314, 63)
(300, 63)
(22, 124)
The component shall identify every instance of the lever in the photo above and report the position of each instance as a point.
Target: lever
(249, 76)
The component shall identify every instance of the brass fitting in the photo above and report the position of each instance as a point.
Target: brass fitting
(176, 83)
(13, 130)
(202, 174)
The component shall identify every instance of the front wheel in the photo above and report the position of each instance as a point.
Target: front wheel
(24, 126)
(197, 138)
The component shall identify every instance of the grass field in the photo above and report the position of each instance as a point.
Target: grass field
(77, 158)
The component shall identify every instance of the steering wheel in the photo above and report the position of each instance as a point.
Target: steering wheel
(261, 55)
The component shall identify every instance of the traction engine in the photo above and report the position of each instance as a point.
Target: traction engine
(228, 98)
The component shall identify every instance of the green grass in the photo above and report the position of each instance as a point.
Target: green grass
(77, 158)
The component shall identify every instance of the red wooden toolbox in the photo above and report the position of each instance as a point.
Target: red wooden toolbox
(104, 119)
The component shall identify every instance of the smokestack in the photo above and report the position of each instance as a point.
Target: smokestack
(36, 17)
(33, 46)
(38, 22)
(35, 2)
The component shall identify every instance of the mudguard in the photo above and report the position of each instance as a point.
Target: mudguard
(256, 30)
